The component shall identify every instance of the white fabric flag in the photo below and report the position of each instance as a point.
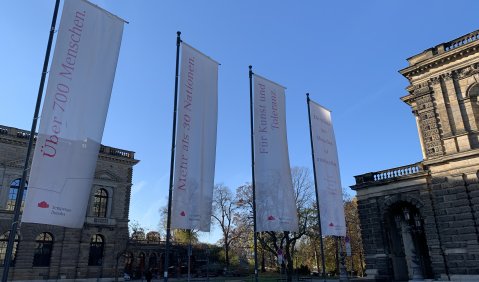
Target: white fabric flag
(330, 193)
(73, 116)
(275, 202)
(195, 151)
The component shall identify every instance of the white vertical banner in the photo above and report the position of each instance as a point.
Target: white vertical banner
(195, 150)
(330, 193)
(275, 201)
(73, 115)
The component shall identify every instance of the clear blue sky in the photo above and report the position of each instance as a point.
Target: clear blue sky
(345, 53)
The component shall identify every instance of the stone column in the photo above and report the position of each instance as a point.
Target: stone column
(441, 108)
(450, 91)
(412, 259)
(462, 140)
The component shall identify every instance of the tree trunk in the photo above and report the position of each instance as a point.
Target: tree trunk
(263, 264)
(227, 255)
(337, 255)
(289, 262)
(316, 256)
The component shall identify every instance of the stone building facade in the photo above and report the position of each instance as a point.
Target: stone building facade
(421, 221)
(51, 252)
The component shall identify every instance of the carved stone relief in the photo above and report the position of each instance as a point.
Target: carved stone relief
(429, 126)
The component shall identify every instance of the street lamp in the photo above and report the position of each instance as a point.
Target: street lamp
(406, 214)
(417, 220)
(397, 219)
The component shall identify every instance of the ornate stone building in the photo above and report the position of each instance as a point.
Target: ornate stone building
(421, 220)
(50, 252)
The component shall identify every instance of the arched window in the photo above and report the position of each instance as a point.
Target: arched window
(12, 195)
(141, 262)
(473, 94)
(128, 263)
(100, 203)
(96, 250)
(153, 262)
(474, 91)
(43, 251)
(3, 248)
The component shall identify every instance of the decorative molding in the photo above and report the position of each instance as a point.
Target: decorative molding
(435, 80)
(390, 201)
(468, 71)
(106, 175)
(447, 76)
(429, 126)
(421, 89)
(442, 58)
(455, 74)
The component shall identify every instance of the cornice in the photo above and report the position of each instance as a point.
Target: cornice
(449, 158)
(17, 137)
(123, 160)
(426, 86)
(439, 60)
(14, 141)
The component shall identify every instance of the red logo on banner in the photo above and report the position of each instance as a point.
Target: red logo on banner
(182, 213)
(43, 205)
(271, 217)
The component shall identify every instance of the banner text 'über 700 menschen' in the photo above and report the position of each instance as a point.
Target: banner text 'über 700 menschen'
(73, 115)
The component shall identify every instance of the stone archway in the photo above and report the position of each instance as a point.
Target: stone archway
(153, 264)
(409, 253)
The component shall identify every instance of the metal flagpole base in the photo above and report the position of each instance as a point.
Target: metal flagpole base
(343, 275)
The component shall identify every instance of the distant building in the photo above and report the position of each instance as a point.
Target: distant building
(422, 220)
(103, 249)
(51, 252)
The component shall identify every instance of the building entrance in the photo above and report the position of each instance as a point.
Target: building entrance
(407, 243)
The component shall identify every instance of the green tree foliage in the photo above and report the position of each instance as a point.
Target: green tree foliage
(184, 236)
(356, 262)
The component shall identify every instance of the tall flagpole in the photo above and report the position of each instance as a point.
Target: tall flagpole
(172, 163)
(21, 189)
(323, 264)
(252, 173)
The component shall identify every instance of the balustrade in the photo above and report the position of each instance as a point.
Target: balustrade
(23, 134)
(389, 173)
(463, 40)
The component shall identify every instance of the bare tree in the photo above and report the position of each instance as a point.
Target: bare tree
(137, 232)
(224, 208)
(286, 241)
(243, 223)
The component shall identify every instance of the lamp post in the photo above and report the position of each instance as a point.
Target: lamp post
(207, 263)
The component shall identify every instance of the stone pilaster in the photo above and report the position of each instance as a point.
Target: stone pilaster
(441, 108)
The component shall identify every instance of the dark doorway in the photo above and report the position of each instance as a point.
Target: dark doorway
(407, 242)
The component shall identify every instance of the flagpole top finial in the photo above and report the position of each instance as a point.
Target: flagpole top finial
(307, 95)
(250, 67)
(178, 33)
